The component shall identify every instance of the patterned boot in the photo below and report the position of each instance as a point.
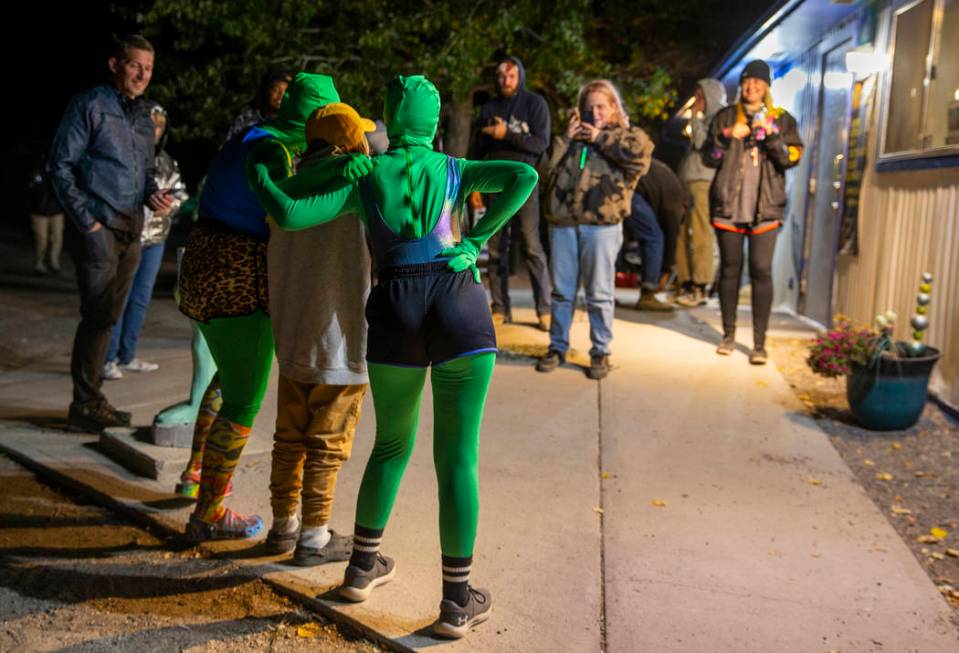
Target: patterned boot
(189, 485)
(211, 520)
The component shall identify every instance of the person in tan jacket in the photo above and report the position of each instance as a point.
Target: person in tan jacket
(592, 175)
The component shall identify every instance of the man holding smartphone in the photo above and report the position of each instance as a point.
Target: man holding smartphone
(101, 166)
(514, 126)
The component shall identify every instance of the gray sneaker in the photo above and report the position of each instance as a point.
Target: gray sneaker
(758, 356)
(693, 298)
(727, 346)
(337, 549)
(456, 620)
(358, 583)
(277, 543)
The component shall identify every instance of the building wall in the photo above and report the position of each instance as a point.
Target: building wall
(909, 224)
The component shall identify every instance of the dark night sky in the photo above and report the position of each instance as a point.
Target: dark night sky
(60, 50)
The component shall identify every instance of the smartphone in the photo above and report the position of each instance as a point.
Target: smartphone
(586, 116)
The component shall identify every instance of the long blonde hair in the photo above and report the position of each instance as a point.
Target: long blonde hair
(607, 88)
(740, 105)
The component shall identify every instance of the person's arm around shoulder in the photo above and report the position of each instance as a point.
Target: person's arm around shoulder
(336, 196)
(68, 148)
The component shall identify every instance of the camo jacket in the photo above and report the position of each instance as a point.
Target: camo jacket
(597, 189)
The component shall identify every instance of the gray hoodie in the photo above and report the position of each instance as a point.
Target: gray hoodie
(691, 168)
(319, 280)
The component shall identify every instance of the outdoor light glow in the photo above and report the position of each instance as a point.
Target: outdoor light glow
(790, 84)
(861, 63)
(836, 81)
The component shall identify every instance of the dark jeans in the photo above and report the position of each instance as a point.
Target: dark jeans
(761, 249)
(126, 332)
(105, 261)
(643, 227)
(533, 252)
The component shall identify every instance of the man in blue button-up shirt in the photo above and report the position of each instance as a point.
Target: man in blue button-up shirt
(101, 166)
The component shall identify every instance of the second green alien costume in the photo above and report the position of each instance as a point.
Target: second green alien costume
(428, 309)
(223, 288)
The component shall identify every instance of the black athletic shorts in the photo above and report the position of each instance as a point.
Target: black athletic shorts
(421, 315)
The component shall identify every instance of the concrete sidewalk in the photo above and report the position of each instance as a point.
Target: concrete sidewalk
(667, 508)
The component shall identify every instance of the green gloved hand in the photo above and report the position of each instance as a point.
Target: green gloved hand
(462, 256)
(356, 167)
(263, 178)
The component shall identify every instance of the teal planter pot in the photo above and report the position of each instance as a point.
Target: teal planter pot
(890, 395)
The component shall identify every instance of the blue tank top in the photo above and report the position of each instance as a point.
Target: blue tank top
(226, 194)
(391, 250)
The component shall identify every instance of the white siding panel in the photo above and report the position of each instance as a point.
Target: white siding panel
(909, 224)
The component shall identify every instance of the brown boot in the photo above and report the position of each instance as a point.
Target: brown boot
(649, 302)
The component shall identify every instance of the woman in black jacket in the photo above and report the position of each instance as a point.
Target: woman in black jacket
(752, 143)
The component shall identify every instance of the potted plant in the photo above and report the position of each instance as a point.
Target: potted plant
(887, 380)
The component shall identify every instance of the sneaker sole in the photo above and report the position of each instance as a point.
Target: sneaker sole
(358, 595)
(448, 631)
(247, 533)
(276, 547)
(724, 352)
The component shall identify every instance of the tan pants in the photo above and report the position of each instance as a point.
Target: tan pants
(48, 239)
(315, 425)
(697, 242)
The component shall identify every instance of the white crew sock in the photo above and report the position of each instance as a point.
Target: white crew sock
(286, 525)
(315, 538)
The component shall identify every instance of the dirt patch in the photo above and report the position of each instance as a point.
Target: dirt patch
(911, 475)
(76, 578)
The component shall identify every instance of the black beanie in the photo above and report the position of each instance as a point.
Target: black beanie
(758, 69)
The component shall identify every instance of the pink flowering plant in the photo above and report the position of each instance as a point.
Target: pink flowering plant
(832, 353)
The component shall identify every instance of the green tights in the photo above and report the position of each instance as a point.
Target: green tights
(459, 396)
(242, 349)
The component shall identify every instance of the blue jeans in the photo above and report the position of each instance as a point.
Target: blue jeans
(126, 332)
(587, 251)
(644, 227)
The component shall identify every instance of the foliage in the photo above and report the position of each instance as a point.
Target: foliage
(832, 353)
(211, 53)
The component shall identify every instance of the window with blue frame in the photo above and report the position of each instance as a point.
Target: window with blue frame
(922, 106)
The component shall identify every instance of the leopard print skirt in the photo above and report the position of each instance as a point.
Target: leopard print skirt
(223, 273)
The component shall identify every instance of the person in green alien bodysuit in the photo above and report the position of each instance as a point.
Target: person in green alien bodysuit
(427, 310)
(223, 288)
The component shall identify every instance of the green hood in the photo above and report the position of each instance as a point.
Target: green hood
(412, 111)
(305, 95)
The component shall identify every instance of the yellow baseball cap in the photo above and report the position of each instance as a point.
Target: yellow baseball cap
(338, 124)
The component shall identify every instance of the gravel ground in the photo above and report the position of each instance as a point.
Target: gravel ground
(75, 578)
(911, 475)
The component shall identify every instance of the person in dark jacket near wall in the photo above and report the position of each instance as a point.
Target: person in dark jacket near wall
(102, 170)
(752, 143)
(666, 197)
(514, 126)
